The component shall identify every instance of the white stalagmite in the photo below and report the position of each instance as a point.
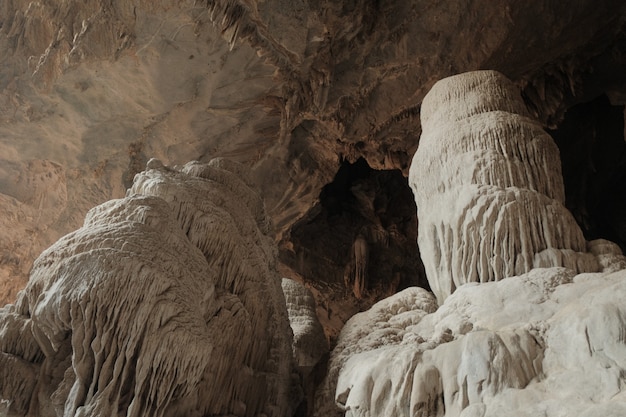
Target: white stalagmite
(488, 187)
(548, 342)
(164, 303)
(309, 341)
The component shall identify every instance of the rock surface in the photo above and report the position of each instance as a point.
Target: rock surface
(544, 341)
(554, 347)
(290, 88)
(309, 341)
(165, 302)
(488, 187)
(295, 90)
(310, 345)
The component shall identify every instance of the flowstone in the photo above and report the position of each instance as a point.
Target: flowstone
(165, 303)
(488, 186)
(544, 341)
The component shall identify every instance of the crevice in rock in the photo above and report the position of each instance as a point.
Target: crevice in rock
(593, 155)
(358, 244)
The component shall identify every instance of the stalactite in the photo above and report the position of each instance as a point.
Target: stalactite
(361, 258)
(355, 274)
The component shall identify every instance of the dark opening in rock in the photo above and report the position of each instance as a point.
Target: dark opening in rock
(361, 236)
(593, 157)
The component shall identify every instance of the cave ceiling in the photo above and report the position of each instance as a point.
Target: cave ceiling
(297, 90)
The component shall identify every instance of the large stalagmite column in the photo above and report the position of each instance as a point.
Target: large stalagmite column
(488, 187)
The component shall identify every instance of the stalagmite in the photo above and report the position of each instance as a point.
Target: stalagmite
(546, 342)
(309, 341)
(166, 302)
(488, 187)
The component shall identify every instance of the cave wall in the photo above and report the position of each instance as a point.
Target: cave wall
(593, 154)
(297, 91)
(89, 92)
(358, 244)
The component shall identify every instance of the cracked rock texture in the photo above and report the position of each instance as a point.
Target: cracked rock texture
(166, 302)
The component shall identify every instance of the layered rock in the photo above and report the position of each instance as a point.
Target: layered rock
(488, 187)
(165, 302)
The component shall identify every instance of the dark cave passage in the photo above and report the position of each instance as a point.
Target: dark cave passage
(593, 158)
(365, 221)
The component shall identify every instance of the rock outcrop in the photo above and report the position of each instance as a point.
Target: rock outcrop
(488, 187)
(166, 302)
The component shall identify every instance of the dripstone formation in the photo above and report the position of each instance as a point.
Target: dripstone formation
(547, 342)
(165, 303)
(488, 187)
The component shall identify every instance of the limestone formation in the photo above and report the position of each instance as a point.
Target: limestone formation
(289, 87)
(296, 90)
(488, 187)
(165, 302)
(355, 274)
(383, 326)
(547, 342)
(555, 347)
(33, 199)
(309, 341)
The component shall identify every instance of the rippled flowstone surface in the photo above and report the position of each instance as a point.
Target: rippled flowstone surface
(548, 342)
(166, 302)
(488, 187)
